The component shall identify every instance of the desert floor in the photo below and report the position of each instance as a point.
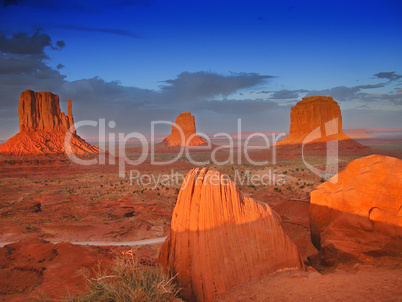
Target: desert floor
(48, 203)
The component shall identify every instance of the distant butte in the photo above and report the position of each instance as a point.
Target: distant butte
(318, 119)
(43, 128)
(186, 122)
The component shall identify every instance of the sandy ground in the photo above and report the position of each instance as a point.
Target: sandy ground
(361, 283)
(53, 200)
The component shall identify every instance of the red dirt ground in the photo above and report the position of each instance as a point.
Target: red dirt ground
(50, 199)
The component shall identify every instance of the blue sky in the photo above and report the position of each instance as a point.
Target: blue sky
(138, 61)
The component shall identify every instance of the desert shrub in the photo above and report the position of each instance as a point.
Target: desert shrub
(124, 280)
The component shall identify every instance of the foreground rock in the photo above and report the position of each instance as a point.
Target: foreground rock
(360, 216)
(315, 120)
(183, 132)
(219, 238)
(43, 128)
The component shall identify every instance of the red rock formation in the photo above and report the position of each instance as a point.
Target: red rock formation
(70, 117)
(185, 122)
(314, 121)
(361, 214)
(40, 111)
(43, 127)
(314, 112)
(219, 238)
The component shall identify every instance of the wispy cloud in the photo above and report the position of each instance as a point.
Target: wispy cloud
(6, 3)
(391, 76)
(217, 100)
(22, 43)
(238, 107)
(74, 4)
(114, 31)
(192, 86)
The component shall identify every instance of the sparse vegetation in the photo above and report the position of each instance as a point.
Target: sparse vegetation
(123, 280)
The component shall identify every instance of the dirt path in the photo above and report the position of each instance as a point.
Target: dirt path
(108, 243)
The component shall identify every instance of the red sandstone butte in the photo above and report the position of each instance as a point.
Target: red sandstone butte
(186, 122)
(219, 238)
(320, 115)
(360, 215)
(43, 128)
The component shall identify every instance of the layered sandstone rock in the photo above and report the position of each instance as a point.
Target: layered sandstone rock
(40, 111)
(219, 238)
(315, 119)
(360, 215)
(183, 132)
(43, 128)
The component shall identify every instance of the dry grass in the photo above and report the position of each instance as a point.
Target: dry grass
(124, 280)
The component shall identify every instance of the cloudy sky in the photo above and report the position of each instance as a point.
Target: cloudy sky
(139, 61)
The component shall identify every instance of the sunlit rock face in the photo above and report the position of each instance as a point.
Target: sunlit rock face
(219, 238)
(43, 128)
(315, 121)
(187, 137)
(359, 215)
(311, 113)
(40, 111)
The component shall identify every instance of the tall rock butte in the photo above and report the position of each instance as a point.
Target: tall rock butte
(315, 119)
(219, 238)
(360, 215)
(185, 122)
(43, 128)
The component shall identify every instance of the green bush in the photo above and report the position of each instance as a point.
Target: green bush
(123, 280)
